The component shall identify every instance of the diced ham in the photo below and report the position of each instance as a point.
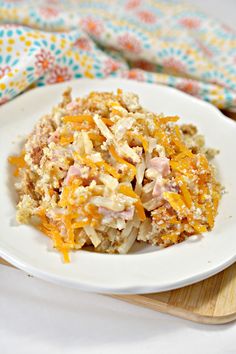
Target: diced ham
(125, 214)
(158, 188)
(54, 137)
(161, 165)
(158, 167)
(73, 171)
(72, 105)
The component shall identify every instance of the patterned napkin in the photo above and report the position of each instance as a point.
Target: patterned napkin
(163, 41)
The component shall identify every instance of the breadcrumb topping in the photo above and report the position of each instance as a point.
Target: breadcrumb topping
(103, 171)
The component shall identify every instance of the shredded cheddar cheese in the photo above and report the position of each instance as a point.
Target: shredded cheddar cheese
(176, 202)
(108, 172)
(108, 168)
(130, 193)
(119, 159)
(168, 119)
(18, 162)
(140, 138)
(96, 137)
(108, 122)
(78, 119)
(65, 140)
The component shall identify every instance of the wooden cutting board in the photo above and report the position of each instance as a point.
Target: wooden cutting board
(211, 301)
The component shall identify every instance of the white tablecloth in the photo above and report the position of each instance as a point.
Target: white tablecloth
(41, 318)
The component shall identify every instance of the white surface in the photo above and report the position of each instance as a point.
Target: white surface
(97, 324)
(223, 10)
(41, 318)
(138, 272)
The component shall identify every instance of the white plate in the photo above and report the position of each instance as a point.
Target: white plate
(147, 269)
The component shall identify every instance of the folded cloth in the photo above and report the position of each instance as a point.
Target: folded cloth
(160, 41)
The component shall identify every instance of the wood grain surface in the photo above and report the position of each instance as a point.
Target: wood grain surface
(211, 301)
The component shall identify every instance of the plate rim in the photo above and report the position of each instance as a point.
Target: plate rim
(125, 290)
(16, 261)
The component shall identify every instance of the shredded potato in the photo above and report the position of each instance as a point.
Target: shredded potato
(103, 171)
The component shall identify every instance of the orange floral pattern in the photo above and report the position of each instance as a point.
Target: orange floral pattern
(168, 42)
